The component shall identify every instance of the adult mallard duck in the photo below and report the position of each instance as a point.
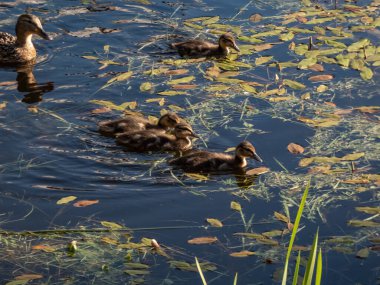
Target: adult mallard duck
(152, 140)
(20, 49)
(131, 123)
(205, 161)
(198, 48)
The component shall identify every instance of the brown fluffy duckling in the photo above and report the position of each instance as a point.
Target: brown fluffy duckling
(204, 161)
(198, 48)
(132, 123)
(20, 49)
(152, 140)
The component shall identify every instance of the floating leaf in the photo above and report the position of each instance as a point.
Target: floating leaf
(358, 45)
(307, 62)
(273, 233)
(360, 223)
(295, 148)
(322, 88)
(320, 20)
(184, 86)
(3, 105)
(281, 217)
(172, 93)
(109, 240)
(211, 20)
(363, 253)
(368, 109)
(192, 25)
(235, 206)
(257, 171)
(90, 57)
(85, 203)
(243, 253)
(196, 176)
(111, 225)
(134, 272)
(66, 200)
(255, 18)
(121, 77)
(263, 59)
(248, 88)
(262, 47)
(366, 73)
(353, 156)
(293, 84)
(202, 240)
(250, 235)
(369, 210)
(146, 86)
(267, 34)
(28, 277)
(286, 37)
(214, 222)
(322, 77)
(186, 79)
(43, 247)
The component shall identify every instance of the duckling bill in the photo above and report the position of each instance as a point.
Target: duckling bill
(198, 48)
(20, 49)
(204, 161)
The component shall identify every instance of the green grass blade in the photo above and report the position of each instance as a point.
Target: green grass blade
(200, 271)
(235, 280)
(318, 275)
(308, 277)
(294, 232)
(297, 269)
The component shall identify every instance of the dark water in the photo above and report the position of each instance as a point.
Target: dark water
(57, 152)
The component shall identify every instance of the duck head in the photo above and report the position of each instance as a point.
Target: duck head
(226, 41)
(28, 25)
(246, 149)
(169, 120)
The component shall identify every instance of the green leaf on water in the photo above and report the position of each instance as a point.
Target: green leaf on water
(146, 86)
(286, 37)
(263, 59)
(358, 45)
(307, 62)
(248, 88)
(293, 84)
(366, 73)
(192, 25)
(90, 57)
(235, 206)
(360, 223)
(111, 225)
(343, 60)
(215, 222)
(134, 272)
(172, 93)
(320, 20)
(66, 200)
(211, 20)
(369, 210)
(185, 79)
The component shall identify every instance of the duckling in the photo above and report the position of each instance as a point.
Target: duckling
(133, 123)
(198, 48)
(204, 161)
(20, 49)
(152, 140)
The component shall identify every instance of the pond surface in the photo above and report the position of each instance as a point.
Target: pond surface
(50, 147)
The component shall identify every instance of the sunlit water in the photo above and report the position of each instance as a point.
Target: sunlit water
(57, 151)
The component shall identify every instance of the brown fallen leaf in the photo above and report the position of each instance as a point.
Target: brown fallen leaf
(255, 18)
(176, 72)
(243, 253)
(330, 104)
(7, 83)
(214, 222)
(257, 171)
(3, 105)
(85, 203)
(343, 111)
(101, 110)
(184, 86)
(28, 277)
(43, 247)
(368, 109)
(317, 67)
(325, 169)
(295, 148)
(281, 217)
(356, 181)
(322, 77)
(202, 240)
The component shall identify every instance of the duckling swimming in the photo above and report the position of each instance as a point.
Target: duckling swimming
(153, 140)
(20, 49)
(204, 161)
(198, 48)
(133, 123)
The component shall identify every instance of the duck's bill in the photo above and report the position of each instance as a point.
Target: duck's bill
(44, 35)
(195, 136)
(257, 157)
(235, 47)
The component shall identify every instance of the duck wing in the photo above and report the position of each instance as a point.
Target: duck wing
(127, 124)
(203, 161)
(194, 48)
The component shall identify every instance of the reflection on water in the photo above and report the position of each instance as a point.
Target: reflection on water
(26, 82)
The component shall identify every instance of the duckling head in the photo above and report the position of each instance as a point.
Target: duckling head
(169, 120)
(226, 41)
(246, 149)
(184, 131)
(28, 25)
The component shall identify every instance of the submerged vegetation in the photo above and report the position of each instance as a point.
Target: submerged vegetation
(305, 68)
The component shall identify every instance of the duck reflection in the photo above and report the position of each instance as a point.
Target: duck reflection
(28, 83)
(244, 181)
